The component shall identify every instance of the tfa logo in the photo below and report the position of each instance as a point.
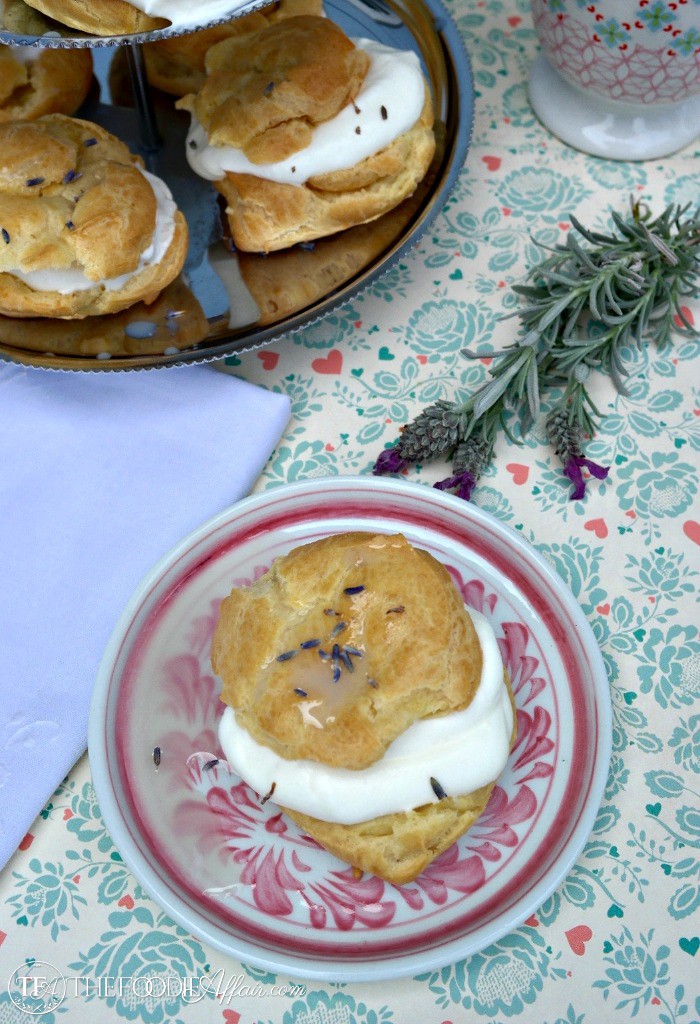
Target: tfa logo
(37, 987)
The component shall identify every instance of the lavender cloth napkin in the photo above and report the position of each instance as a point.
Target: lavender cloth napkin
(100, 475)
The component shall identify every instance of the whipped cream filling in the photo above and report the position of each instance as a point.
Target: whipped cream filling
(389, 103)
(69, 280)
(185, 13)
(463, 751)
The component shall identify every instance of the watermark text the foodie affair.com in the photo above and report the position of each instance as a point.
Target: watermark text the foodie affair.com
(38, 987)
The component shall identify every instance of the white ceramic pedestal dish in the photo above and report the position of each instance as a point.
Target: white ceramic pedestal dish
(616, 131)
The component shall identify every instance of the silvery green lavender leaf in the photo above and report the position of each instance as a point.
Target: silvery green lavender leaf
(631, 281)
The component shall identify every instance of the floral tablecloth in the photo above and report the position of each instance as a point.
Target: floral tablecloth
(619, 939)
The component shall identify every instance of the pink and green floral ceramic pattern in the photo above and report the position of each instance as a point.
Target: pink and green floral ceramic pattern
(618, 939)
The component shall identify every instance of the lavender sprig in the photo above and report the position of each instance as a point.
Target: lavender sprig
(631, 283)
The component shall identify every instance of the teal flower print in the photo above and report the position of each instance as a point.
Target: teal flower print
(156, 955)
(672, 671)
(686, 741)
(578, 564)
(571, 1017)
(540, 190)
(301, 392)
(688, 43)
(329, 332)
(682, 190)
(657, 16)
(620, 176)
(45, 896)
(322, 1008)
(491, 500)
(503, 979)
(612, 33)
(663, 783)
(636, 973)
(509, 974)
(306, 459)
(688, 819)
(516, 106)
(447, 326)
(87, 823)
(10, 1013)
(663, 573)
(661, 486)
(618, 777)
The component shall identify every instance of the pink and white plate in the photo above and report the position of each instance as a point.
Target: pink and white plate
(231, 868)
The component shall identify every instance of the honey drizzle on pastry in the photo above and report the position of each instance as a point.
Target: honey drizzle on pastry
(323, 670)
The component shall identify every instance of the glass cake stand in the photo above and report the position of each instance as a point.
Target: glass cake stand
(226, 302)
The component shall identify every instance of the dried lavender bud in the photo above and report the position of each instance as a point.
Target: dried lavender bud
(269, 793)
(70, 176)
(31, 182)
(287, 655)
(435, 431)
(383, 112)
(6, 236)
(211, 764)
(353, 651)
(90, 142)
(566, 439)
(156, 756)
(437, 789)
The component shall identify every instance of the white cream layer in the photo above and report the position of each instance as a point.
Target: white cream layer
(463, 750)
(188, 13)
(70, 279)
(393, 86)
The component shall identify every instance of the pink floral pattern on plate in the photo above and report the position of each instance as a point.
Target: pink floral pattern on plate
(284, 874)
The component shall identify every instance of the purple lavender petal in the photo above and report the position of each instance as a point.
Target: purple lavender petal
(447, 484)
(599, 472)
(463, 482)
(572, 469)
(389, 461)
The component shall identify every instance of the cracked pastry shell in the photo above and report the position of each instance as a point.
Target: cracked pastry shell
(318, 71)
(177, 65)
(67, 202)
(52, 82)
(99, 17)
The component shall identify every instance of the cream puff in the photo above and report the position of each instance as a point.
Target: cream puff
(124, 17)
(36, 81)
(84, 228)
(364, 699)
(307, 133)
(177, 65)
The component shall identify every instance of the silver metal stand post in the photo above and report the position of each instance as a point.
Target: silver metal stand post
(151, 139)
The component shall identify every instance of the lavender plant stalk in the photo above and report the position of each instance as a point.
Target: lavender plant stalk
(631, 282)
